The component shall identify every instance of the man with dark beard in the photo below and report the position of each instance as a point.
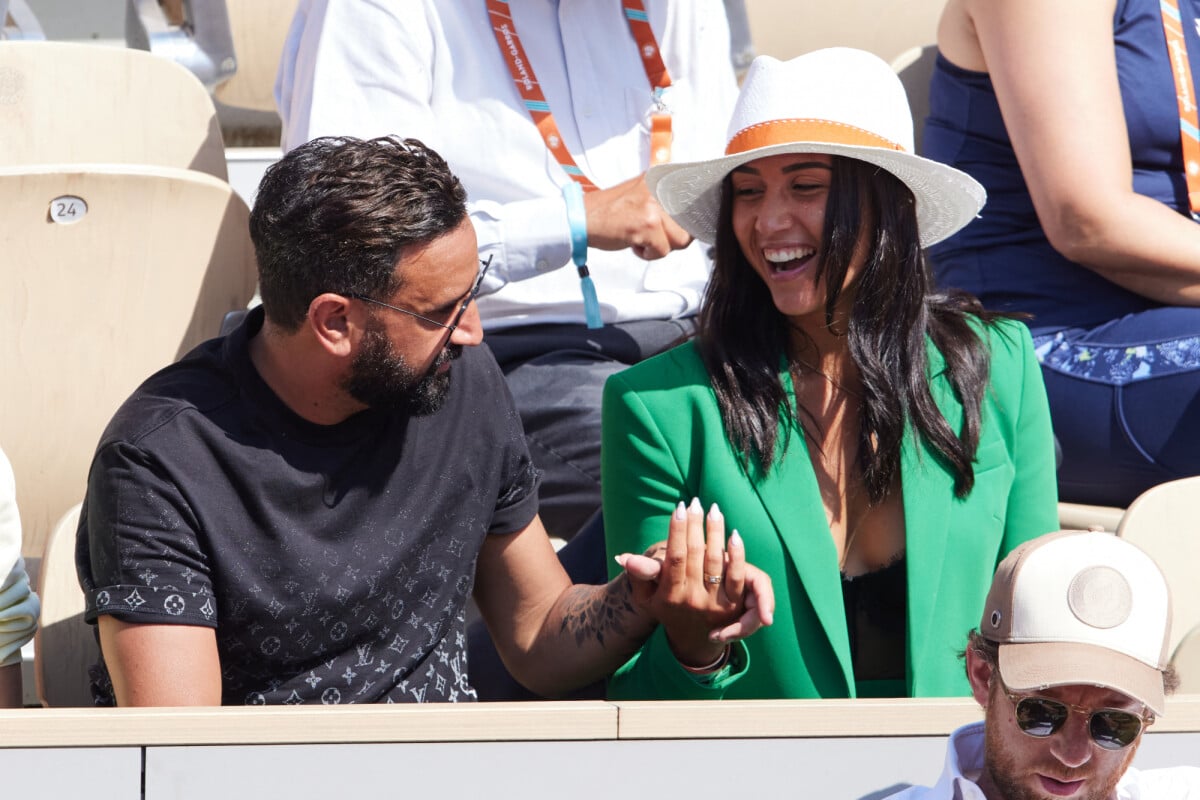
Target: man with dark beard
(1070, 666)
(381, 378)
(298, 512)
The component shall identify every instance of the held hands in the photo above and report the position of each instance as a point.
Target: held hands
(627, 215)
(701, 590)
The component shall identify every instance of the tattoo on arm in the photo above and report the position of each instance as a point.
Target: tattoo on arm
(596, 612)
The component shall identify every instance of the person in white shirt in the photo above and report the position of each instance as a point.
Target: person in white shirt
(435, 70)
(18, 605)
(1070, 666)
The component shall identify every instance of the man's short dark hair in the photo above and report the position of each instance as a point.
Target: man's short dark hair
(335, 214)
(989, 651)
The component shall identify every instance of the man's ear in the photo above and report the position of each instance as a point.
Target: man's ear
(979, 673)
(329, 318)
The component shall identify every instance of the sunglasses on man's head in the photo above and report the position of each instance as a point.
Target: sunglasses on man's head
(1111, 728)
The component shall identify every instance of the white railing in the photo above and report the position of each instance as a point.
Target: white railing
(825, 748)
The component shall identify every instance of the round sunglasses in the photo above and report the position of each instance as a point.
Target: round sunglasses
(1110, 728)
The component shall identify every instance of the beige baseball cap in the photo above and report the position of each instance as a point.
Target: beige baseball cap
(1081, 607)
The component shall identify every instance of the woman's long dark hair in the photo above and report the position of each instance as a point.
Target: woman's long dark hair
(743, 339)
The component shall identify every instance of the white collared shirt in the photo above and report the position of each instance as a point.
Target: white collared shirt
(431, 69)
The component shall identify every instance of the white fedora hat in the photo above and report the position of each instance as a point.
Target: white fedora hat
(838, 101)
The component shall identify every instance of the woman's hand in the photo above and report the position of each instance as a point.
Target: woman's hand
(699, 587)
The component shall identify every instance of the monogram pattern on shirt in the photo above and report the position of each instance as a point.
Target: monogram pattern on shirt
(334, 628)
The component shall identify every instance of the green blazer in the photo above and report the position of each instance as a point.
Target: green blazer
(663, 441)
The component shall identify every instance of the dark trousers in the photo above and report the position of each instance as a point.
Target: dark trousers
(556, 374)
(1125, 402)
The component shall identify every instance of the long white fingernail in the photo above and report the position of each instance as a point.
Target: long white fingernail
(735, 539)
(714, 513)
(681, 511)
(695, 507)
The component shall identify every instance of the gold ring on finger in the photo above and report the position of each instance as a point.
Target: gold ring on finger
(712, 579)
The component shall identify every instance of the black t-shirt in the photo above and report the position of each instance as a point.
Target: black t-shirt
(334, 561)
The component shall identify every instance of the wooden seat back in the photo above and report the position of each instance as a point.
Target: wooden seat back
(785, 29)
(1186, 660)
(67, 103)
(259, 29)
(1165, 522)
(141, 266)
(65, 645)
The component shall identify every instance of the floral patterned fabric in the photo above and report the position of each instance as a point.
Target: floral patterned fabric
(1116, 365)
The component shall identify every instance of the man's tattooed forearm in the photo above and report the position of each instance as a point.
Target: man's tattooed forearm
(594, 612)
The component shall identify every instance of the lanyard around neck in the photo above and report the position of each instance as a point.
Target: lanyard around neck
(535, 101)
(1185, 95)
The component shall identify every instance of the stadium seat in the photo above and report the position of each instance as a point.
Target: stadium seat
(786, 29)
(259, 30)
(1165, 522)
(1082, 517)
(192, 33)
(1186, 660)
(111, 272)
(233, 46)
(65, 644)
(70, 103)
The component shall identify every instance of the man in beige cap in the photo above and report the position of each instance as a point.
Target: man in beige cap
(1070, 666)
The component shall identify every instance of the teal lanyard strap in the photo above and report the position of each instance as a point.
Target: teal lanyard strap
(577, 219)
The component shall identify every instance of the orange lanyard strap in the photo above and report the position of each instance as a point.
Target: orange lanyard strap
(535, 101)
(656, 72)
(643, 34)
(1185, 94)
(530, 90)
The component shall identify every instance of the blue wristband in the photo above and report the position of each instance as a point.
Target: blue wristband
(577, 220)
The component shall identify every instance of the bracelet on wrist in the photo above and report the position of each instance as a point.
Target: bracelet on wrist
(721, 661)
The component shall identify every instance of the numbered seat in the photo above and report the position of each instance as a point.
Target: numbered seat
(66, 102)
(111, 272)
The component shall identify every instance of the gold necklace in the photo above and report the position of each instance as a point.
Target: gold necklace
(848, 542)
(846, 496)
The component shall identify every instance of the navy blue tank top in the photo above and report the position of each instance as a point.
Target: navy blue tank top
(1003, 257)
